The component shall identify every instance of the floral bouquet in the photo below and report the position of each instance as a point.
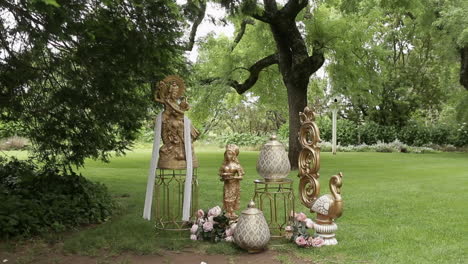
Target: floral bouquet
(298, 232)
(212, 225)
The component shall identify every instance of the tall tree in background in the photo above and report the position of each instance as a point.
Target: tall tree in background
(393, 55)
(297, 60)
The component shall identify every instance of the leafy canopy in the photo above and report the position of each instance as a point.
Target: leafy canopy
(75, 73)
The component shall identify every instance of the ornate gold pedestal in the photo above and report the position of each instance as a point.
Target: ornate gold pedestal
(169, 199)
(276, 200)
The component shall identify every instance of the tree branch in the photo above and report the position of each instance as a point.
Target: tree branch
(254, 70)
(241, 32)
(293, 7)
(262, 17)
(201, 10)
(316, 61)
(254, 73)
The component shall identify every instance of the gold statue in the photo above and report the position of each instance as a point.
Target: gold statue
(231, 172)
(172, 154)
(329, 206)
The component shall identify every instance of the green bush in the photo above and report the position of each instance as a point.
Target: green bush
(241, 139)
(37, 200)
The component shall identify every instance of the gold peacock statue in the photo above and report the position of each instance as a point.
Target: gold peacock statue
(329, 206)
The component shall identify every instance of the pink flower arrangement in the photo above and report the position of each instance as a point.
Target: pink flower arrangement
(301, 241)
(200, 213)
(229, 232)
(212, 225)
(315, 242)
(208, 226)
(301, 217)
(309, 223)
(215, 211)
(298, 233)
(194, 229)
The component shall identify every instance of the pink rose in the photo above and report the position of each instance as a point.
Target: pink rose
(200, 213)
(193, 237)
(208, 226)
(194, 229)
(309, 223)
(301, 217)
(288, 229)
(300, 241)
(316, 242)
(229, 232)
(215, 211)
(229, 239)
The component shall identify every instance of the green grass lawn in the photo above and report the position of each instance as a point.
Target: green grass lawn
(399, 208)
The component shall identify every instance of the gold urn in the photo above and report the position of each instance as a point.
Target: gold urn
(273, 162)
(252, 232)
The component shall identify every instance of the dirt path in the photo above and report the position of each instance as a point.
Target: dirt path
(166, 258)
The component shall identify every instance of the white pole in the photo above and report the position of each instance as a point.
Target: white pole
(335, 111)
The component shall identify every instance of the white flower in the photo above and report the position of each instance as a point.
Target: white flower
(193, 237)
(229, 239)
(215, 211)
(5, 260)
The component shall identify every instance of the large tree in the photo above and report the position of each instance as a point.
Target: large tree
(296, 59)
(76, 73)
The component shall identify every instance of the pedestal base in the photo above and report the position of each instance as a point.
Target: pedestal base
(276, 200)
(169, 197)
(327, 232)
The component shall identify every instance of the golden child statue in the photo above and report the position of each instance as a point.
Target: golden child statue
(231, 172)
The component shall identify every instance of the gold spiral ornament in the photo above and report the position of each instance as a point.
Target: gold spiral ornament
(309, 135)
(309, 189)
(309, 162)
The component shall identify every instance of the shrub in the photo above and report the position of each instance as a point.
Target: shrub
(37, 200)
(242, 139)
(14, 143)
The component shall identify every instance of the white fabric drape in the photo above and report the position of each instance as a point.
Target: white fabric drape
(188, 177)
(154, 163)
(152, 170)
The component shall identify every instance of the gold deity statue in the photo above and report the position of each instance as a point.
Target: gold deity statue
(170, 93)
(231, 172)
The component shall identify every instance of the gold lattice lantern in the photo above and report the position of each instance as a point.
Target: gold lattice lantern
(329, 206)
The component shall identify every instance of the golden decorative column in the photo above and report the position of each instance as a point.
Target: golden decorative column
(329, 206)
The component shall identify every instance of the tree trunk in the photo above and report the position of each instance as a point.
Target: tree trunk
(464, 66)
(297, 101)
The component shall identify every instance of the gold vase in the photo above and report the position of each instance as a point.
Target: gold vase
(273, 162)
(252, 232)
